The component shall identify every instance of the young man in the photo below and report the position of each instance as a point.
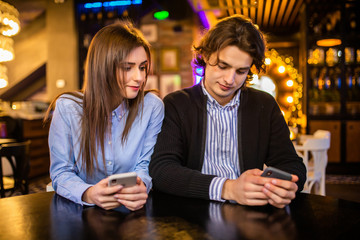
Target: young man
(217, 135)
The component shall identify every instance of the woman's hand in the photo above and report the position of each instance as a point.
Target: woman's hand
(102, 195)
(134, 197)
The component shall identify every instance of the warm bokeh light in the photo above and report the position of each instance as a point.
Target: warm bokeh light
(267, 61)
(13, 27)
(264, 84)
(281, 69)
(289, 83)
(6, 55)
(328, 42)
(3, 83)
(290, 99)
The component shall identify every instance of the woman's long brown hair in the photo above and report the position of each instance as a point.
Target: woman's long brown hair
(104, 86)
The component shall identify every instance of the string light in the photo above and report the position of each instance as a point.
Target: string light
(290, 99)
(3, 76)
(294, 114)
(267, 61)
(289, 83)
(281, 69)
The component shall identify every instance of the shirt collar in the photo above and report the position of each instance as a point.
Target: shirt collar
(120, 111)
(233, 102)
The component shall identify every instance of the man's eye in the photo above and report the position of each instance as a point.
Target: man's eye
(221, 66)
(241, 72)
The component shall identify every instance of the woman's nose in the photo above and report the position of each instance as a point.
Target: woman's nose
(138, 75)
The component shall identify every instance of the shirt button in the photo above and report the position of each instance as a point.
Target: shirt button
(109, 163)
(109, 142)
(113, 114)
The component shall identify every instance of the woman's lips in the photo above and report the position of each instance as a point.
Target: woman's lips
(134, 88)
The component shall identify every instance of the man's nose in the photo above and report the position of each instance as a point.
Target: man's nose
(230, 76)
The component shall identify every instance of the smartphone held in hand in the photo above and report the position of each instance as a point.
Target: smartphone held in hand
(124, 179)
(272, 172)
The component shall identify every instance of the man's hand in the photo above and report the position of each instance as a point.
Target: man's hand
(254, 190)
(134, 197)
(247, 189)
(281, 192)
(102, 195)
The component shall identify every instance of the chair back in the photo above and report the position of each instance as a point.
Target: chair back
(314, 154)
(18, 156)
(317, 144)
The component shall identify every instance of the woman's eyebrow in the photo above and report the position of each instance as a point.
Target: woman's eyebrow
(132, 63)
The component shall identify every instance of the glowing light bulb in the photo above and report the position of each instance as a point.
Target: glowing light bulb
(289, 99)
(267, 61)
(281, 69)
(289, 83)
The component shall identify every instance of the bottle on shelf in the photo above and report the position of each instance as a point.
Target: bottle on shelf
(353, 90)
(314, 97)
(332, 56)
(335, 80)
(349, 55)
(314, 24)
(349, 82)
(352, 22)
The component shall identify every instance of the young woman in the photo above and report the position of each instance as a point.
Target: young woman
(108, 127)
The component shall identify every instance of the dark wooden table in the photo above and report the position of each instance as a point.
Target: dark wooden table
(49, 216)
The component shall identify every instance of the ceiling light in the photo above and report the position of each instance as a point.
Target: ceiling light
(9, 26)
(6, 49)
(3, 76)
(9, 19)
(330, 42)
(161, 15)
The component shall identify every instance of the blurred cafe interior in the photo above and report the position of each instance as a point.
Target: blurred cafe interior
(313, 67)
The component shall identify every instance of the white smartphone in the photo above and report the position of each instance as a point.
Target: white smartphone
(124, 179)
(276, 173)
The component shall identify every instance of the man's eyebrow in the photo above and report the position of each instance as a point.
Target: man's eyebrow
(228, 65)
(132, 63)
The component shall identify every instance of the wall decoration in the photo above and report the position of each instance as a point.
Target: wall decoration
(169, 59)
(154, 63)
(152, 83)
(150, 32)
(169, 83)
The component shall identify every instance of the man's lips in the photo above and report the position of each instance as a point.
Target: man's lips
(224, 88)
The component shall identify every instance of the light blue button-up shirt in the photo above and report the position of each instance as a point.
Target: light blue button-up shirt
(69, 177)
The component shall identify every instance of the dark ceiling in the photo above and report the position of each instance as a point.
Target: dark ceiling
(274, 16)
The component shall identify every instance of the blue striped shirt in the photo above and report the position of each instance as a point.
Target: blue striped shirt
(221, 147)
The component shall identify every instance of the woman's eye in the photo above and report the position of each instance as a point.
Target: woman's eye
(143, 68)
(126, 68)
